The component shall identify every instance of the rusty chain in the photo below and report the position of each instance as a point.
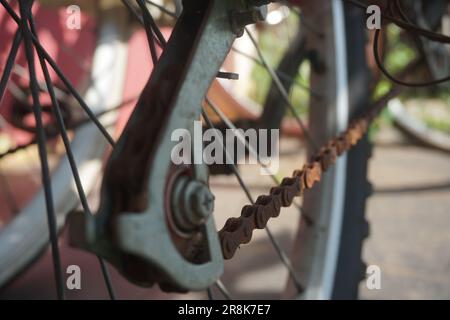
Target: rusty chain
(238, 231)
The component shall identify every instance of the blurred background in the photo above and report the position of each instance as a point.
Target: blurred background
(409, 207)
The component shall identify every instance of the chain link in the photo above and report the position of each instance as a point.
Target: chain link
(238, 231)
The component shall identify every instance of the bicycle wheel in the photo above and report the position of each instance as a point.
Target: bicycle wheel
(327, 253)
(24, 237)
(139, 228)
(425, 121)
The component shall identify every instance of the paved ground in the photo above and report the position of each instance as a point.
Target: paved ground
(410, 222)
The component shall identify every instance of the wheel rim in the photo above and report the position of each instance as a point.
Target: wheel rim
(317, 249)
(27, 235)
(331, 243)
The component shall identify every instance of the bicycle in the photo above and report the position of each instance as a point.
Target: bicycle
(144, 198)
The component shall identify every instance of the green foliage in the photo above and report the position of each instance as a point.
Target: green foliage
(274, 42)
(400, 54)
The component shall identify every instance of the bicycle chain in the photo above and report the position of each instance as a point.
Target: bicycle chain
(238, 231)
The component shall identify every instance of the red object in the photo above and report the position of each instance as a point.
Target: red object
(63, 45)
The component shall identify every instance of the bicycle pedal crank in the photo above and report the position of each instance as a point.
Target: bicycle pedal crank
(155, 222)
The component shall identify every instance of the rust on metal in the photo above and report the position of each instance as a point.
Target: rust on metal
(238, 231)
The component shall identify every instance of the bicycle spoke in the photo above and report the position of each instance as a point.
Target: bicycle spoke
(10, 62)
(154, 27)
(75, 94)
(285, 260)
(148, 29)
(21, 72)
(282, 255)
(312, 144)
(66, 141)
(28, 33)
(133, 11)
(107, 278)
(75, 125)
(249, 149)
(231, 126)
(233, 167)
(223, 290)
(162, 9)
(209, 293)
(25, 12)
(281, 74)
